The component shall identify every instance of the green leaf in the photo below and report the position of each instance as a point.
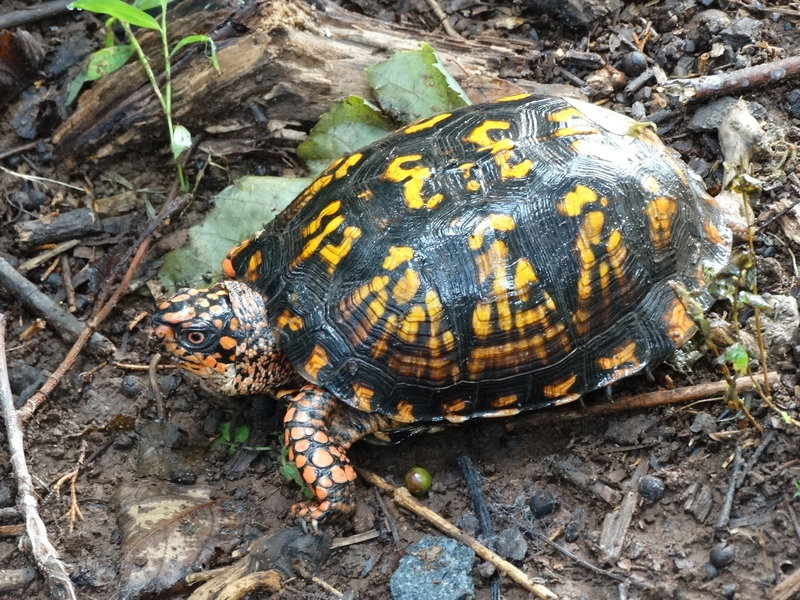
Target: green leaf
(75, 87)
(120, 10)
(147, 4)
(737, 357)
(289, 471)
(240, 434)
(199, 39)
(225, 431)
(107, 60)
(349, 125)
(414, 85)
(240, 210)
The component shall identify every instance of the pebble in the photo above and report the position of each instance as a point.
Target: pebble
(722, 555)
(542, 503)
(7, 493)
(131, 386)
(633, 63)
(651, 488)
(511, 544)
(435, 568)
(703, 423)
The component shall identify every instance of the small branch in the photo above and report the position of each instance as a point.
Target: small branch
(725, 513)
(683, 91)
(581, 561)
(639, 401)
(792, 516)
(484, 518)
(442, 16)
(33, 13)
(38, 303)
(403, 497)
(788, 588)
(50, 565)
(152, 372)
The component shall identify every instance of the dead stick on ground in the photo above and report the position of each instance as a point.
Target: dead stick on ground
(26, 292)
(35, 401)
(683, 91)
(50, 566)
(639, 401)
(442, 16)
(788, 588)
(733, 483)
(403, 497)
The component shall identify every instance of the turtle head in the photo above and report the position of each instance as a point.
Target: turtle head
(223, 335)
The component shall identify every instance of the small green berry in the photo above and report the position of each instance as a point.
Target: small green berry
(418, 481)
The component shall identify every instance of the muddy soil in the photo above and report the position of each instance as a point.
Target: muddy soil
(689, 448)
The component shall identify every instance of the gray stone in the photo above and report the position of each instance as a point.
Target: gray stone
(511, 544)
(435, 568)
(710, 116)
(627, 432)
(703, 423)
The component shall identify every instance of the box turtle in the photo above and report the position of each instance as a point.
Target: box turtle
(498, 258)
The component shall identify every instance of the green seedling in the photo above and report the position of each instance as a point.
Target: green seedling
(115, 54)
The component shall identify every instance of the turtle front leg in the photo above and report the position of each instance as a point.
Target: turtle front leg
(318, 430)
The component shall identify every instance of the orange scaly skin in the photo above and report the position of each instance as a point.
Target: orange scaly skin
(318, 430)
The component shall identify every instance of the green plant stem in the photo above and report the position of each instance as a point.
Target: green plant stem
(146, 66)
(165, 99)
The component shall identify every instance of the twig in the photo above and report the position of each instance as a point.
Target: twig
(25, 147)
(581, 561)
(45, 256)
(639, 401)
(484, 518)
(151, 374)
(474, 489)
(301, 570)
(132, 367)
(27, 177)
(388, 520)
(31, 298)
(751, 462)
(403, 497)
(787, 588)
(442, 16)
(792, 516)
(74, 513)
(358, 538)
(50, 565)
(66, 275)
(725, 513)
(757, 6)
(33, 13)
(35, 401)
(683, 91)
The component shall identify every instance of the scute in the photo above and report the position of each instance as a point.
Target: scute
(503, 257)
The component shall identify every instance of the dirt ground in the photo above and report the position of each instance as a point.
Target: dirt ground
(690, 448)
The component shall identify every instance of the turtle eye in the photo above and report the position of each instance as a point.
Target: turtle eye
(197, 339)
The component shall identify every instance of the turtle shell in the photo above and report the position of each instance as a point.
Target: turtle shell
(501, 257)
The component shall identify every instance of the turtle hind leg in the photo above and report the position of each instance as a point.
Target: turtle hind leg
(318, 430)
